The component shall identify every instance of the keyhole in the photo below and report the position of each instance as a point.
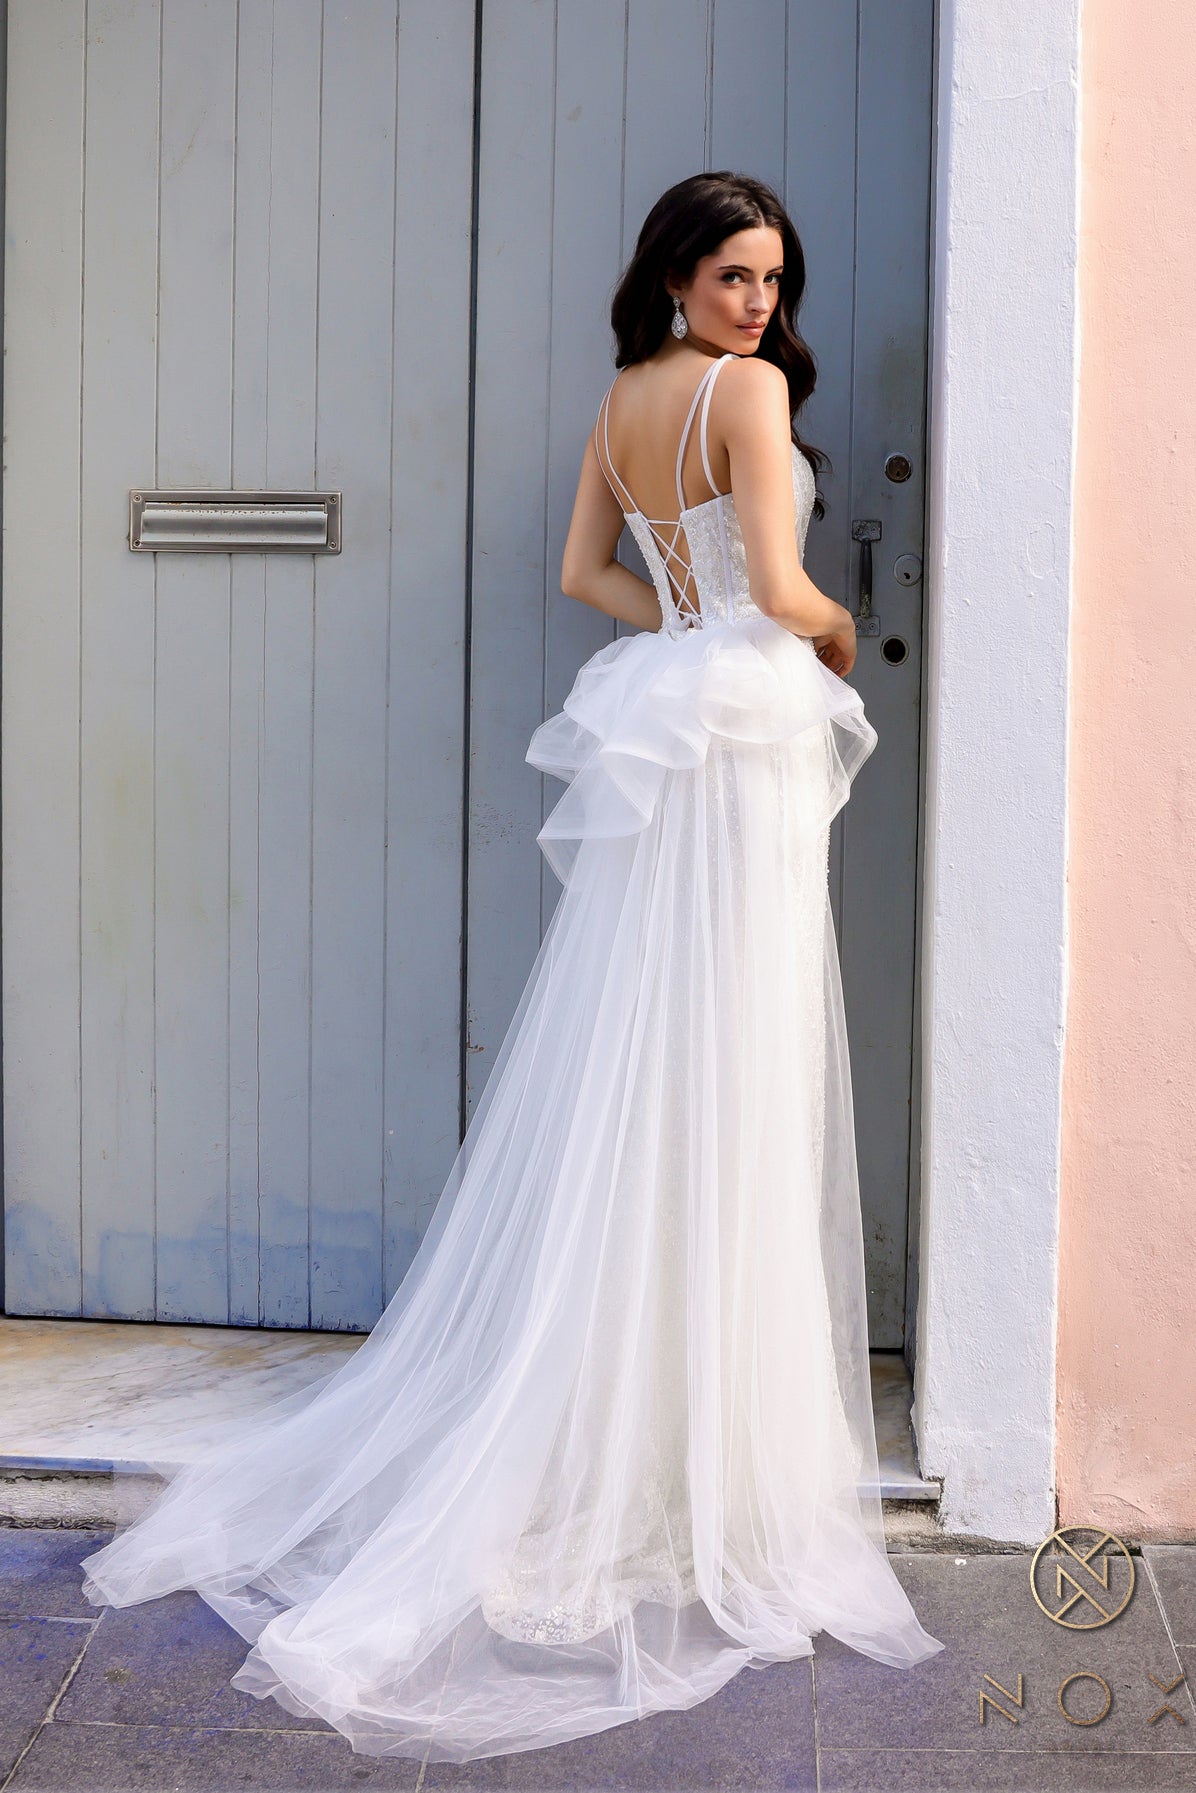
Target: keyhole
(894, 650)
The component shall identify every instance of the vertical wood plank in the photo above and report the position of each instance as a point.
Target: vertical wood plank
(888, 416)
(251, 298)
(288, 677)
(357, 253)
(428, 563)
(43, 279)
(515, 264)
(668, 102)
(117, 683)
(819, 193)
(192, 716)
(748, 86)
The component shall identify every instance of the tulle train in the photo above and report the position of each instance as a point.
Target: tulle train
(612, 1439)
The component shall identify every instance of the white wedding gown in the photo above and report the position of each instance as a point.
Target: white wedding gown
(612, 1439)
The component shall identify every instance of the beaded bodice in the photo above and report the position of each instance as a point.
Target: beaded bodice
(697, 560)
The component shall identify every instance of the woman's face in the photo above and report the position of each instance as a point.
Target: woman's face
(733, 292)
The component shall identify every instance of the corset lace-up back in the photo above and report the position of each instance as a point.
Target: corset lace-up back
(697, 559)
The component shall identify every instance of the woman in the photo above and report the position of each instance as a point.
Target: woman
(612, 1439)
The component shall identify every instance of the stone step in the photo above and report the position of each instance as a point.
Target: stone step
(87, 1407)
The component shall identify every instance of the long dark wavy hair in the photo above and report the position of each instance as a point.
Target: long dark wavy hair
(686, 223)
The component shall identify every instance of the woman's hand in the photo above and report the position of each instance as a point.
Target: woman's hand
(837, 651)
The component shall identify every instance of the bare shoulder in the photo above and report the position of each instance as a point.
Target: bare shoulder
(751, 392)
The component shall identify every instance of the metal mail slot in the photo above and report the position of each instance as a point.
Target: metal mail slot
(235, 522)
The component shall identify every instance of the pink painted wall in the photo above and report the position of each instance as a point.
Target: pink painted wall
(1127, 1297)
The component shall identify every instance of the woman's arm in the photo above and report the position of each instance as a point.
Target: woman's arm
(589, 570)
(750, 408)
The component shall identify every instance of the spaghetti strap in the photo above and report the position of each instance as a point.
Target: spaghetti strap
(711, 377)
(704, 388)
(609, 469)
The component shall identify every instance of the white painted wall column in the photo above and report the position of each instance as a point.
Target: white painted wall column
(1003, 371)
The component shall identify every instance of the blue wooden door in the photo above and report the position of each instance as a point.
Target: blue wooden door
(238, 256)
(271, 887)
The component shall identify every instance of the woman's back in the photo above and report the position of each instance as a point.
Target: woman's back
(670, 472)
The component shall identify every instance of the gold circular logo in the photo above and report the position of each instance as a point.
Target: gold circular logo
(1081, 1582)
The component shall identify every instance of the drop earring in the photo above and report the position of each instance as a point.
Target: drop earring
(679, 326)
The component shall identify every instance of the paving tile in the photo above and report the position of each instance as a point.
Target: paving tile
(169, 1662)
(756, 1732)
(1173, 1567)
(1001, 1771)
(40, 1577)
(35, 1656)
(983, 1609)
(13, 1739)
(103, 1758)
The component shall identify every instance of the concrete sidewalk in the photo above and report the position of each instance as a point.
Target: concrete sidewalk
(139, 1699)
